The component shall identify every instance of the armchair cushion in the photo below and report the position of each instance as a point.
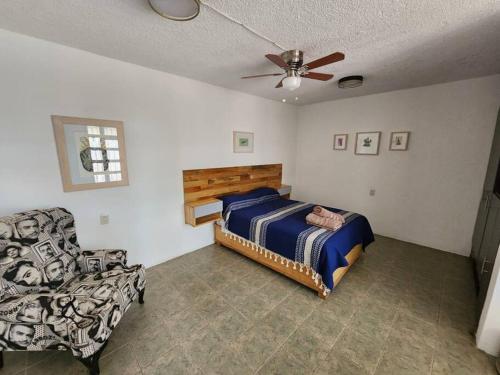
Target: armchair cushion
(80, 316)
(102, 260)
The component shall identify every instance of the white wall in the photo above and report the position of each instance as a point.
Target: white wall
(171, 124)
(488, 331)
(428, 195)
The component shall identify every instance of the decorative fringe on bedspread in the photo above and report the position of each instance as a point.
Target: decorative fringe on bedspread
(316, 277)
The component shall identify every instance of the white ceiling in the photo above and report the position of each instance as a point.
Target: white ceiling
(395, 44)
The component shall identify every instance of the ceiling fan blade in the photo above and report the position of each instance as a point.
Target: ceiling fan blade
(320, 76)
(280, 84)
(263, 75)
(334, 57)
(278, 61)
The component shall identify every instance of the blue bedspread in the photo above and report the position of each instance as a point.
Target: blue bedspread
(279, 225)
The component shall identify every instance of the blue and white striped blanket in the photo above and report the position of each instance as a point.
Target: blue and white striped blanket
(279, 225)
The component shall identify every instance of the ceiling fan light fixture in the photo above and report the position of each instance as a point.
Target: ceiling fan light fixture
(291, 83)
(350, 82)
(177, 10)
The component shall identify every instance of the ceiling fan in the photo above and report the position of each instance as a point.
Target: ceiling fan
(292, 62)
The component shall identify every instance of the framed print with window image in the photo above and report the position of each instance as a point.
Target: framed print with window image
(91, 153)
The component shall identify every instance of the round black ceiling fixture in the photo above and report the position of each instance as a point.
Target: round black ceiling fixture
(177, 10)
(350, 82)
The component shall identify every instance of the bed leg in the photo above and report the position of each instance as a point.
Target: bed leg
(321, 295)
(1, 358)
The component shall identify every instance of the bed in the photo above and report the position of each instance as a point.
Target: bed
(260, 224)
(273, 231)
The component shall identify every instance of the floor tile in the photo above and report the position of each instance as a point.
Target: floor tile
(121, 362)
(254, 307)
(150, 346)
(174, 362)
(407, 326)
(230, 324)
(339, 309)
(360, 349)
(207, 351)
(338, 364)
(15, 362)
(283, 363)
(60, 363)
(406, 354)
(444, 365)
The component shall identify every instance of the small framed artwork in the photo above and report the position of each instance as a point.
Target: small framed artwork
(340, 142)
(91, 153)
(242, 141)
(367, 143)
(399, 141)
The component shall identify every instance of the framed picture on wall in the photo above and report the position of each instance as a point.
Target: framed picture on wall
(91, 153)
(367, 143)
(242, 141)
(399, 141)
(340, 142)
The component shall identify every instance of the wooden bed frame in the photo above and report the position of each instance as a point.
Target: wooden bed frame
(288, 268)
(201, 184)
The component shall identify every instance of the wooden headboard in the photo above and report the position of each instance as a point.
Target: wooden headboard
(212, 182)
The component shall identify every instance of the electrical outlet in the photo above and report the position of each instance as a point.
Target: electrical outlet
(104, 219)
(372, 192)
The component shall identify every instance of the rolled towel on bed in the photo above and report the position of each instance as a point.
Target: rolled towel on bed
(323, 212)
(331, 223)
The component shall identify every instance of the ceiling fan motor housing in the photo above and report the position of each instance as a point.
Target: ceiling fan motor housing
(294, 58)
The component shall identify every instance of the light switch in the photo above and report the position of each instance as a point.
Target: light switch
(104, 219)
(372, 192)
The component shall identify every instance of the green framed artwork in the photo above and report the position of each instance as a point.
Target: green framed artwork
(242, 141)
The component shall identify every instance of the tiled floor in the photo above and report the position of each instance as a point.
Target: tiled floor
(402, 309)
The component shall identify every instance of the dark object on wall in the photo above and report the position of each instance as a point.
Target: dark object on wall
(496, 188)
(486, 235)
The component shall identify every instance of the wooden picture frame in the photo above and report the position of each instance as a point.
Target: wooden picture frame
(367, 143)
(340, 142)
(399, 141)
(242, 142)
(91, 153)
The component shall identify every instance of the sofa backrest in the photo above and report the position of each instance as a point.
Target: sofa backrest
(38, 251)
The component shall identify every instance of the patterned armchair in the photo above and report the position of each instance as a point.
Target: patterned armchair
(54, 295)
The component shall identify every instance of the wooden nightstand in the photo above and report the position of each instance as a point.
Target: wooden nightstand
(285, 191)
(202, 211)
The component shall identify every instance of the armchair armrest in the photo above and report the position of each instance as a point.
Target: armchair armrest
(102, 260)
(34, 308)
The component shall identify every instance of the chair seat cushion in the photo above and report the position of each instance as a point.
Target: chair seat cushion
(79, 316)
(96, 291)
(100, 300)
